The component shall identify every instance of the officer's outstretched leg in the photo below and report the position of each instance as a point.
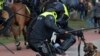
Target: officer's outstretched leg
(69, 41)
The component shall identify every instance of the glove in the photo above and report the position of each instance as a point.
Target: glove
(53, 38)
(79, 33)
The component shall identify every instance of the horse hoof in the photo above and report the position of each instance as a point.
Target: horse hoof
(27, 47)
(18, 48)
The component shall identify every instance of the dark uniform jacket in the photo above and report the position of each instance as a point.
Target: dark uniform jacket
(43, 29)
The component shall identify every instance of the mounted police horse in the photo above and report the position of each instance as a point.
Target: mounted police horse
(14, 15)
(20, 21)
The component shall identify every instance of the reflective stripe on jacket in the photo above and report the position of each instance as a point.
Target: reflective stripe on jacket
(66, 10)
(50, 13)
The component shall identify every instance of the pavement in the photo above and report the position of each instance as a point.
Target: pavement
(90, 36)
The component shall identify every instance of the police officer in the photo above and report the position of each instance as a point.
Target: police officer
(44, 27)
(1, 8)
(69, 39)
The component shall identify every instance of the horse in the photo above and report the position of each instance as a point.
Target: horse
(21, 19)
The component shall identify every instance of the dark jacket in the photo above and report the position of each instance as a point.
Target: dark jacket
(81, 7)
(43, 29)
(63, 22)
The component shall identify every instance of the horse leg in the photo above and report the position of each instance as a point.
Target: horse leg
(16, 37)
(22, 29)
(18, 47)
(25, 38)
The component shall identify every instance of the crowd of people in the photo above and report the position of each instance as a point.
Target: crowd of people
(52, 16)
